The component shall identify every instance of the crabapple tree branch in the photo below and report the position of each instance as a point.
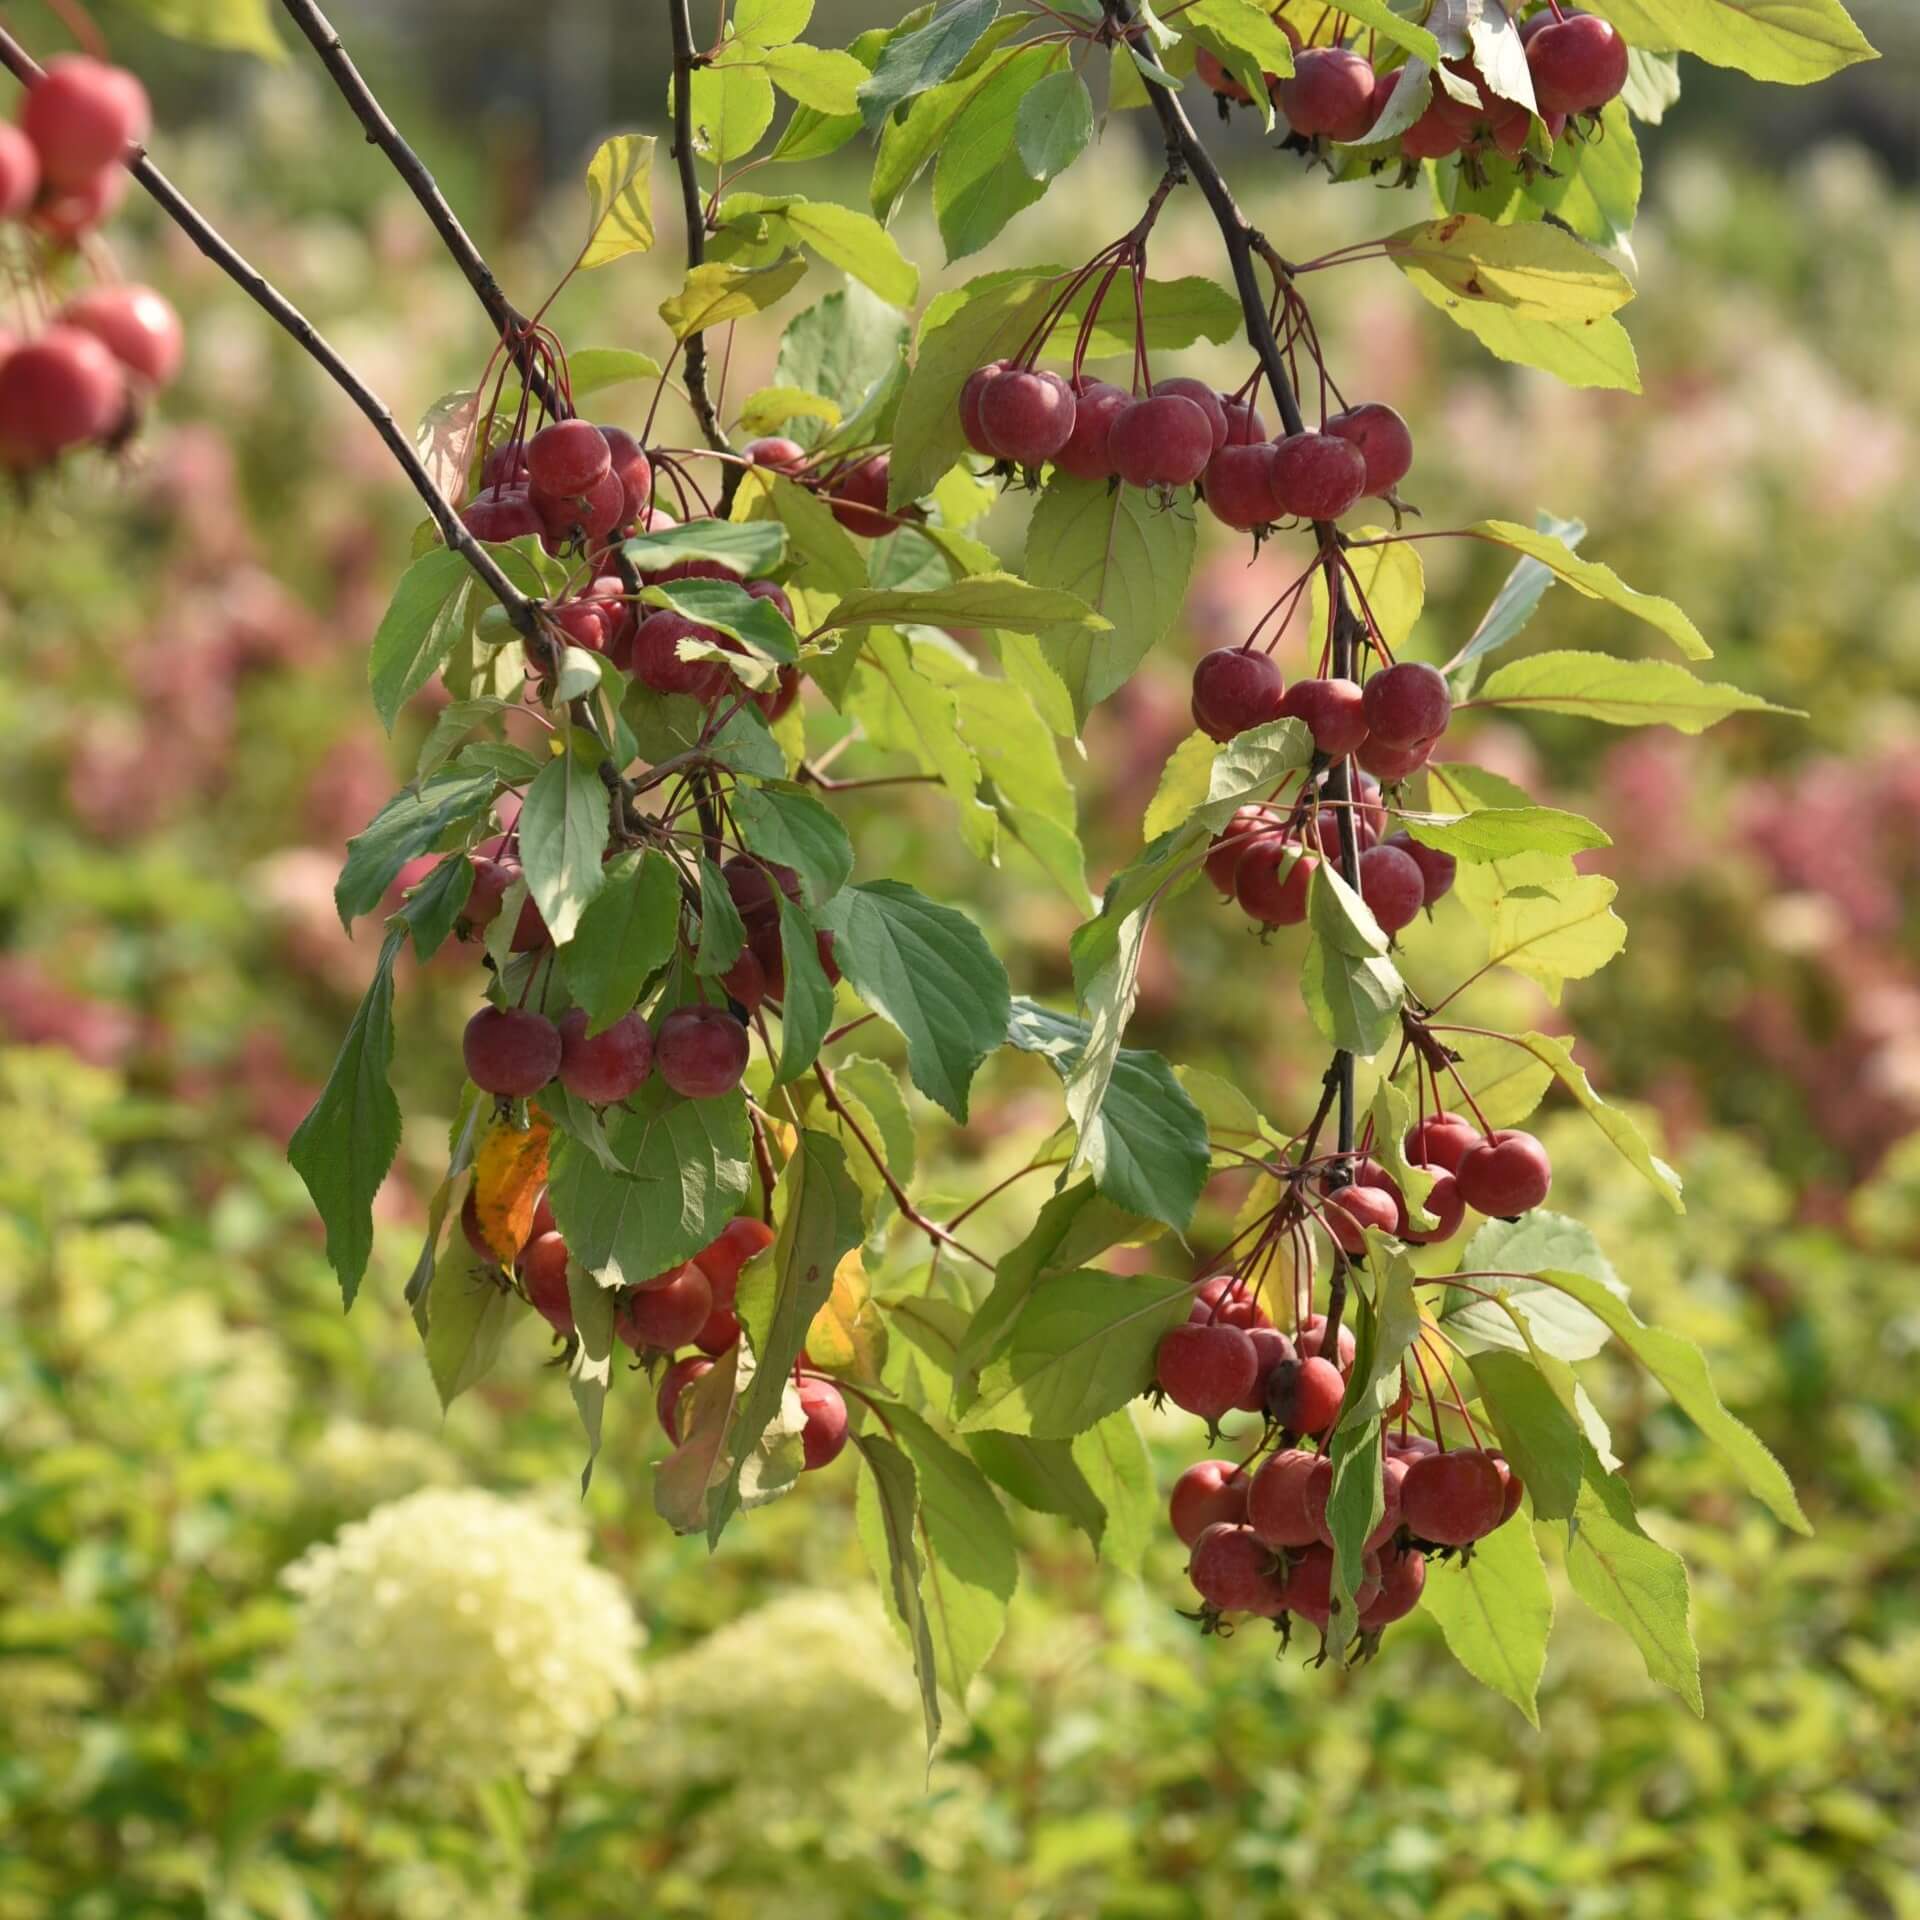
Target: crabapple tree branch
(685, 61)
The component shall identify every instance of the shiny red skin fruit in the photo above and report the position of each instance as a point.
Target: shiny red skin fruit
(746, 980)
(1217, 79)
(1210, 1493)
(1505, 1174)
(1096, 405)
(568, 457)
(667, 1313)
(1349, 1209)
(1407, 703)
(970, 423)
(1437, 869)
(1309, 1588)
(1513, 1488)
(1234, 689)
(1445, 1203)
(1305, 1395)
(1324, 830)
(825, 1432)
(1331, 711)
(69, 214)
(1227, 1300)
(1391, 885)
(606, 1067)
(1393, 764)
(673, 1385)
(1233, 1569)
(81, 116)
(1272, 880)
(543, 1272)
(858, 497)
(19, 172)
(1205, 1370)
(530, 929)
(1271, 1349)
(1206, 398)
(1330, 91)
(750, 886)
(584, 517)
(1317, 476)
(1026, 416)
(777, 453)
(1319, 1488)
(1386, 445)
(1403, 1578)
(499, 514)
(628, 460)
(1162, 441)
(1238, 484)
(721, 1332)
(1234, 838)
(1578, 64)
(1452, 1499)
(510, 1051)
(1277, 1499)
(1245, 427)
(543, 1220)
(1441, 1140)
(136, 325)
(1433, 136)
(59, 390)
(701, 1051)
(722, 1258)
(656, 657)
(1313, 1328)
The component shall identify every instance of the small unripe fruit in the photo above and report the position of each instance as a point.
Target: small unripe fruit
(1330, 91)
(702, 1052)
(673, 1385)
(543, 1272)
(666, 1312)
(1391, 885)
(1505, 1174)
(19, 172)
(1162, 441)
(1277, 1499)
(1305, 1395)
(1578, 64)
(1384, 442)
(1025, 416)
(1331, 711)
(510, 1051)
(858, 497)
(57, 391)
(1238, 483)
(825, 1432)
(971, 425)
(777, 453)
(1317, 476)
(499, 514)
(1235, 688)
(1349, 1209)
(1272, 879)
(1452, 1499)
(1233, 1569)
(1407, 704)
(1205, 1369)
(1211, 1493)
(1096, 405)
(1437, 869)
(1441, 1140)
(82, 116)
(608, 1066)
(1206, 398)
(568, 457)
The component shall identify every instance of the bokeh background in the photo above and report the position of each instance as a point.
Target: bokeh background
(600, 1718)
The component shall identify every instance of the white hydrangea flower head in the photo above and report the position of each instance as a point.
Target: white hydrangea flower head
(453, 1637)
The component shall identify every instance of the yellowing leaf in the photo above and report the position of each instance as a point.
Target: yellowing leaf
(1558, 933)
(1793, 41)
(848, 1334)
(619, 199)
(717, 291)
(1598, 582)
(1533, 269)
(1623, 693)
(509, 1174)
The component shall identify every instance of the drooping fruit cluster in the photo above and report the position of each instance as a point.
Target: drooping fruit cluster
(84, 377)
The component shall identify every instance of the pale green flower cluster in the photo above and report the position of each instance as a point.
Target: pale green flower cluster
(354, 1467)
(454, 1637)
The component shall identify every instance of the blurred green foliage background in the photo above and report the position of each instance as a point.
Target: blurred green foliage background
(184, 1413)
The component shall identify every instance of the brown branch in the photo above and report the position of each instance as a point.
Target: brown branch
(685, 60)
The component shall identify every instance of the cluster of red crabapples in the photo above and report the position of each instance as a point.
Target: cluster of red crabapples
(1266, 855)
(690, 1305)
(1180, 433)
(1577, 61)
(80, 380)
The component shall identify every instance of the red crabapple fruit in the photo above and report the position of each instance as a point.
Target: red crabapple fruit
(1330, 91)
(1271, 880)
(1505, 1174)
(1445, 1203)
(1162, 441)
(1317, 476)
(1393, 764)
(722, 1257)
(1238, 483)
(1436, 868)
(606, 1067)
(1452, 1499)
(858, 497)
(1305, 1395)
(825, 1432)
(138, 327)
(1309, 1588)
(510, 1051)
(1245, 428)
(1313, 1328)
(1349, 1209)
(1331, 711)
(1578, 64)
(1384, 442)
(1246, 826)
(1403, 1577)
(1271, 1349)
(568, 457)
(657, 662)
(1025, 416)
(702, 1052)
(1441, 1140)
(1205, 1370)
(628, 459)
(543, 1272)
(1233, 1569)
(1391, 885)
(673, 1385)
(1206, 398)
(1211, 1493)
(721, 1331)
(19, 172)
(498, 514)
(1407, 704)
(1277, 1499)
(1217, 79)
(664, 1313)
(777, 453)
(1096, 405)
(751, 884)
(59, 390)
(971, 425)
(1433, 136)
(82, 116)
(1234, 689)
(69, 214)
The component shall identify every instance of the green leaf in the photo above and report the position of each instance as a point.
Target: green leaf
(842, 347)
(431, 908)
(1495, 1612)
(1679, 1367)
(626, 931)
(1250, 28)
(1653, 85)
(237, 26)
(1791, 41)
(732, 108)
(722, 932)
(806, 1007)
(1113, 1458)
(823, 78)
(916, 62)
(685, 1171)
(771, 23)
(728, 608)
(469, 1311)
(562, 834)
(1537, 1433)
(590, 1364)
(1513, 606)
(1556, 1324)
(1537, 271)
(1626, 1578)
(717, 291)
(853, 241)
(774, 407)
(619, 199)
(1139, 1131)
(1597, 188)
(1081, 1347)
(929, 971)
(1392, 578)
(905, 711)
(819, 1222)
(410, 823)
(1623, 693)
(1598, 582)
(1053, 124)
(345, 1145)
(1355, 1503)
(1353, 992)
(1393, 27)
(1497, 833)
(1583, 353)
(1563, 931)
(423, 623)
(889, 1505)
(745, 547)
(788, 825)
(1124, 556)
(1042, 1475)
(1626, 1137)
(1183, 785)
(984, 600)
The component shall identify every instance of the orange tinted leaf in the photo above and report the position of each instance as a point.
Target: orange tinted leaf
(509, 1171)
